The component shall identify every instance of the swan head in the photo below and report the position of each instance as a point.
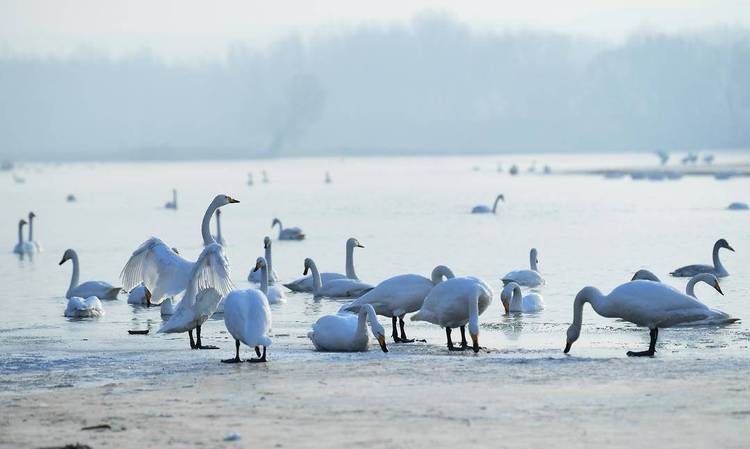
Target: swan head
(22, 222)
(709, 279)
(509, 291)
(260, 263)
(353, 243)
(266, 242)
(31, 215)
(308, 265)
(500, 197)
(645, 275)
(275, 222)
(573, 333)
(722, 243)
(223, 200)
(67, 255)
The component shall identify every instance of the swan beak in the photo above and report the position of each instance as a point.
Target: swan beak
(567, 347)
(718, 289)
(359, 245)
(304, 273)
(730, 248)
(257, 267)
(475, 342)
(62, 261)
(381, 340)
(232, 200)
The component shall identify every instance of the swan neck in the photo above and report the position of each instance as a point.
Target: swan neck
(76, 273)
(517, 297)
(31, 228)
(269, 261)
(717, 263)
(20, 232)
(494, 206)
(690, 287)
(264, 279)
(316, 277)
(588, 295)
(350, 273)
(439, 272)
(474, 314)
(362, 318)
(532, 261)
(218, 226)
(206, 223)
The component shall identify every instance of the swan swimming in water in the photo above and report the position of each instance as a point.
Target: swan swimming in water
(172, 204)
(346, 332)
(37, 246)
(738, 206)
(161, 270)
(716, 269)
(23, 246)
(78, 307)
(305, 284)
(644, 303)
(482, 209)
(454, 303)
(101, 290)
(288, 233)
(399, 295)
(526, 278)
(255, 275)
(335, 288)
(514, 301)
(274, 293)
(247, 317)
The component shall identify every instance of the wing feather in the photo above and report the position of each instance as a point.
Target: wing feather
(162, 271)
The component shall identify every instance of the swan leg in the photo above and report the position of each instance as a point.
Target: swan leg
(651, 346)
(236, 358)
(260, 359)
(464, 343)
(192, 342)
(198, 344)
(450, 342)
(396, 338)
(257, 351)
(403, 338)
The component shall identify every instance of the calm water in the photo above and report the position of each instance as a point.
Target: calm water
(410, 213)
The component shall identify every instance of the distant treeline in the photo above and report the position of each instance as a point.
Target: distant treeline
(434, 86)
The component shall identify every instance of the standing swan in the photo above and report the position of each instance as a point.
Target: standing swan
(209, 281)
(482, 209)
(37, 246)
(247, 317)
(345, 332)
(172, 204)
(161, 270)
(717, 269)
(454, 303)
(23, 247)
(305, 284)
(288, 233)
(526, 278)
(514, 301)
(336, 288)
(646, 304)
(255, 275)
(274, 293)
(101, 290)
(399, 295)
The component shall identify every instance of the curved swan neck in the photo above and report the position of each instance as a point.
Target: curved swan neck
(590, 295)
(439, 272)
(497, 200)
(76, 268)
(474, 313)
(715, 256)
(703, 277)
(366, 313)
(517, 296)
(206, 223)
(316, 276)
(350, 273)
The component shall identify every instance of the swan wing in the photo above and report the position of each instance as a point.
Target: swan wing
(692, 270)
(395, 296)
(162, 271)
(211, 271)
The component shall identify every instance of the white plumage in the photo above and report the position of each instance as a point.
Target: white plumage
(78, 307)
(346, 332)
(514, 301)
(100, 289)
(247, 317)
(526, 278)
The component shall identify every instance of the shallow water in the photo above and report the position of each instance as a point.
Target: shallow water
(410, 213)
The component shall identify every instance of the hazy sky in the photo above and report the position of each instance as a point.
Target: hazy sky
(201, 29)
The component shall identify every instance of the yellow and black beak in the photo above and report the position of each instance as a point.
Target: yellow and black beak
(567, 347)
(359, 245)
(381, 340)
(232, 200)
(475, 342)
(718, 288)
(257, 267)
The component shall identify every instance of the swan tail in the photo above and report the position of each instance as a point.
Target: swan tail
(113, 292)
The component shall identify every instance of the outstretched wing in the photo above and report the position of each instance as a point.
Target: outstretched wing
(161, 270)
(212, 271)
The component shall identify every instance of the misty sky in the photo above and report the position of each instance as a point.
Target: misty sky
(199, 30)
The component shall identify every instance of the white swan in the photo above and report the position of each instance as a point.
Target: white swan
(139, 296)
(168, 307)
(336, 288)
(218, 238)
(708, 278)
(345, 332)
(514, 301)
(646, 304)
(288, 233)
(101, 290)
(23, 246)
(454, 303)
(399, 295)
(717, 269)
(209, 281)
(482, 209)
(305, 284)
(161, 270)
(172, 204)
(78, 307)
(526, 278)
(247, 317)
(255, 275)
(37, 246)
(274, 293)
(738, 206)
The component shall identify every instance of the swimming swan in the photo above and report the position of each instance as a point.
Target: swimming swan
(101, 290)
(514, 301)
(78, 307)
(646, 304)
(526, 278)
(37, 246)
(288, 233)
(305, 284)
(336, 288)
(454, 303)
(717, 269)
(274, 293)
(23, 246)
(247, 317)
(255, 275)
(345, 332)
(399, 295)
(482, 209)
(172, 204)
(708, 278)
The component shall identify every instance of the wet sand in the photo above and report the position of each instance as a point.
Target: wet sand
(392, 401)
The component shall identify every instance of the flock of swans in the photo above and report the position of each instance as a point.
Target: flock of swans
(156, 274)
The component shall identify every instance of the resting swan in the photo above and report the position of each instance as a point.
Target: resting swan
(526, 278)
(482, 209)
(454, 303)
(717, 269)
(288, 233)
(101, 290)
(161, 270)
(399, 295)
(255, 275)
(305, 284)
(23, 247)
(78, 307)
(514, 301)
(345, 332)
(646, 304)
(247, 317)
(37, 246)
(274, 293)
(336, 288)
(172, 204)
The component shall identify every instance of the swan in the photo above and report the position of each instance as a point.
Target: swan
(23, 247)
(717, 268)
(305, 284)
(274, 293)
(162, 270)
(172, 204)
(399, 295)
(209, 281)
(70, 198)
(454, 303)
(482, 209)
(101, 290)
(514, 301)
(328, 178)
(288, 233)
(526, 278)
(255, 275)
(37, 246)
(646, 304)
(218, 237)
(738, 206)
(708, 278)
(168, 307)
(139, 296)
(247, 317)
(336, 288)
(78, 307)
(346, 332)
